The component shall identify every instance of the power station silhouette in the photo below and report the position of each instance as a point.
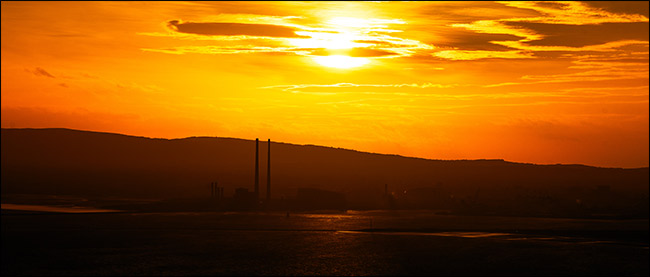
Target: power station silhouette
(243, 198)
(305, 198)
(257, 171)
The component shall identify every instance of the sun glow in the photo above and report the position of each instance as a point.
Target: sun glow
(351, 22)
(340, 61)
(340, 40)
(332, 45)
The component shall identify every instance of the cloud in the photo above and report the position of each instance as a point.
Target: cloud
(597, 78)
(624, 7)
(498, 27)
(460, 11)
(233, 29)
(480, 54)
(469, 40)
(247, 33)
(354, 52)
(559, 26)
(302, 87)
(237, 49)
(583, 35)
(611, 46)
(571, 12)
(519, 30)
(40, 72)
(248, 49)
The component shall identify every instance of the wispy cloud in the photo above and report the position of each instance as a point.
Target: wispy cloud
(40, 72)
(294, 88)
(483, 54)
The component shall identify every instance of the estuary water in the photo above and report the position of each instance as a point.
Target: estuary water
(54, 209)
(319, 243)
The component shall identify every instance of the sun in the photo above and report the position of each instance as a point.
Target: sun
(340, 61)
(338, 36)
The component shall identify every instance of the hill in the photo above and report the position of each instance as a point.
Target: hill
(72, 162)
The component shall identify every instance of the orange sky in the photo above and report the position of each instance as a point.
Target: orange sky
(535, 82)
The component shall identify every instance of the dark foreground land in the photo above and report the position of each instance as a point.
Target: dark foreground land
(348, 243)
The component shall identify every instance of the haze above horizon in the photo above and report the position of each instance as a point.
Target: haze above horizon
(531, 82)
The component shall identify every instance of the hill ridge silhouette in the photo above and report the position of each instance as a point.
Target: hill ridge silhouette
(76, 162)
(323, 146)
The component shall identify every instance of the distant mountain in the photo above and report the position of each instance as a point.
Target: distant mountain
(72, 162)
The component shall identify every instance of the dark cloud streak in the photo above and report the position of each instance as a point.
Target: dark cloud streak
(233, 29)
(40, 72)
(584, 35)
(626, 7)
(470, 40)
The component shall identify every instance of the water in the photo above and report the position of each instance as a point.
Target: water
(54, 209)
(349, 243)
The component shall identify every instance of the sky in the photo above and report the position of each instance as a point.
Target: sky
(532, 82)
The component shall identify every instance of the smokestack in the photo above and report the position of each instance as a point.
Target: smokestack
(257, 168)
(268, 174)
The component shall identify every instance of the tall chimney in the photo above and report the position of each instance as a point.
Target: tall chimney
(268, 174)
(257, 168)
